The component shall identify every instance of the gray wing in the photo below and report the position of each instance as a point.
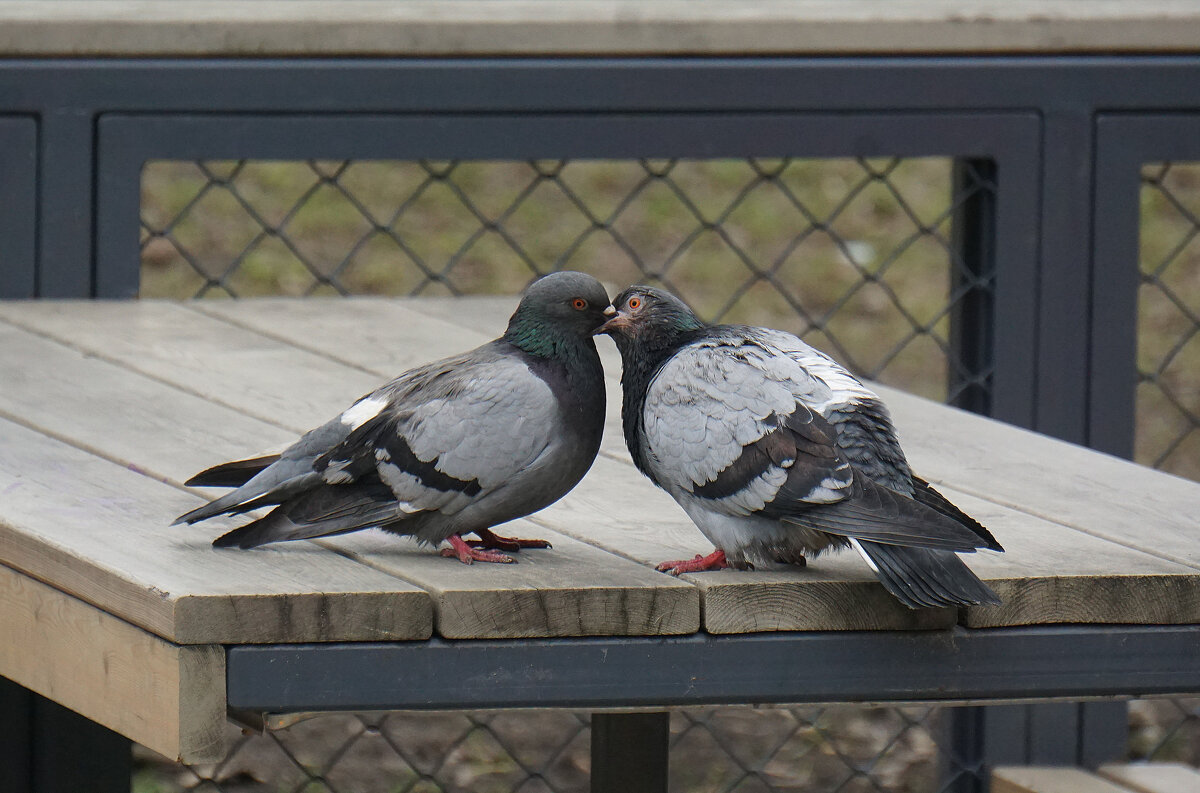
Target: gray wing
(730, 420)
(460, 436)
(866, 435)
(736, 423)
(437, 438)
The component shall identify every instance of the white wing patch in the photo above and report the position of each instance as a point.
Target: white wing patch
(363, 411)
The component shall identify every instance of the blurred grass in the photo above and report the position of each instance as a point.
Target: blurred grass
(1168, 396)
(783, 243)
(851, 255)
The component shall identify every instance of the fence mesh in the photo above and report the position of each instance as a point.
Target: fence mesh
(855, 750)
(854, 255)
(1168, 393)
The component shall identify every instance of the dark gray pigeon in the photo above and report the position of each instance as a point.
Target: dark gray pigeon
(453, 447)
(776, 452)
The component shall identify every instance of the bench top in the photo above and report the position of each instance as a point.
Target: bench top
(468, 28)
(107, 407)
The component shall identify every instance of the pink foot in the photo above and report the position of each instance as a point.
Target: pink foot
(714, 561)
(489, 540)
(466, 554)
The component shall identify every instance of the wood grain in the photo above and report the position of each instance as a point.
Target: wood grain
(1153, 777)
(99, 531)
(613, 499)
(1036, 779)
(1096, 493)
(386, 336)
(573, 589)
(610, 595)
(201, 355)
(164, 696)
(1052, 573)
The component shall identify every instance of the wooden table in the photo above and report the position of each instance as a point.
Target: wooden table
(107, 407)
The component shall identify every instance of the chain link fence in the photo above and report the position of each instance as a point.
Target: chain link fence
(854, 255)
(1168, 393)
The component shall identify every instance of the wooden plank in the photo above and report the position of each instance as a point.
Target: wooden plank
(377, 334)
(574, 589)
(98, 531)
(1153, 777)
(1060, 482)
(593, 27)
(1052, 573)
(133, 419)
(610, 595)
(1096, 493)
(1037, 779)
(164, 696)
(618, 508)
(201, 355)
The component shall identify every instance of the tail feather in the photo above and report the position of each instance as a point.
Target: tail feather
(321, 513)
(924, 493)
(877, 513)
(275, 527)
(926, 577)
(232, 474)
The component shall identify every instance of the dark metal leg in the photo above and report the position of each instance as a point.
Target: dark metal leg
(629, 752)
(971, 320)
(16, 723)
(1058, 733)
(46, 748)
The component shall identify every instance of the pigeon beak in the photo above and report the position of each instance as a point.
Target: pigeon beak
(615, 320)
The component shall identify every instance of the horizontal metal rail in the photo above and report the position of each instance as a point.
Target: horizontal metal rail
(894, 666)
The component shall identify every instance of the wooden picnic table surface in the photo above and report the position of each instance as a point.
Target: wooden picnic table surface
(106, 408)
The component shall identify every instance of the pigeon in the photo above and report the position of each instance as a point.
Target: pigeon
(777, 453)
(453, 447)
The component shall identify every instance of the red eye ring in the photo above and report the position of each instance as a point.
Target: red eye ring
(579, 304)
(634, 302)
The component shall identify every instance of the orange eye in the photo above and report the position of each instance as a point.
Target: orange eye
(634, 302)
(579, 304)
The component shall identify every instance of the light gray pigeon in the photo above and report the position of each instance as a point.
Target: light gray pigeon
(775, 451)
(453, 447)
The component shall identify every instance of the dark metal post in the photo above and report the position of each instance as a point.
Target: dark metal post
(972, 316)
(629, 752)
(18, 209)
(65, 176)
(16, 727)
(46, 748)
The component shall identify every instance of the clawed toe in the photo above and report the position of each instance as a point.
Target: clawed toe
(466, 554)
(714, 561)
(487, 539)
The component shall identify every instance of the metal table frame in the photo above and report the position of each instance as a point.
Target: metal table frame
(1062, 138)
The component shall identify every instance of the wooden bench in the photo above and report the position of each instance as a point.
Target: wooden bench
(1112, 778)
(106, 407)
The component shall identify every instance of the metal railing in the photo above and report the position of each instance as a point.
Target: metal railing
(1035, 235)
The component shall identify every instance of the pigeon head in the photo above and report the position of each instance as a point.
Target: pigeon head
(649, 318)
(557, 309)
